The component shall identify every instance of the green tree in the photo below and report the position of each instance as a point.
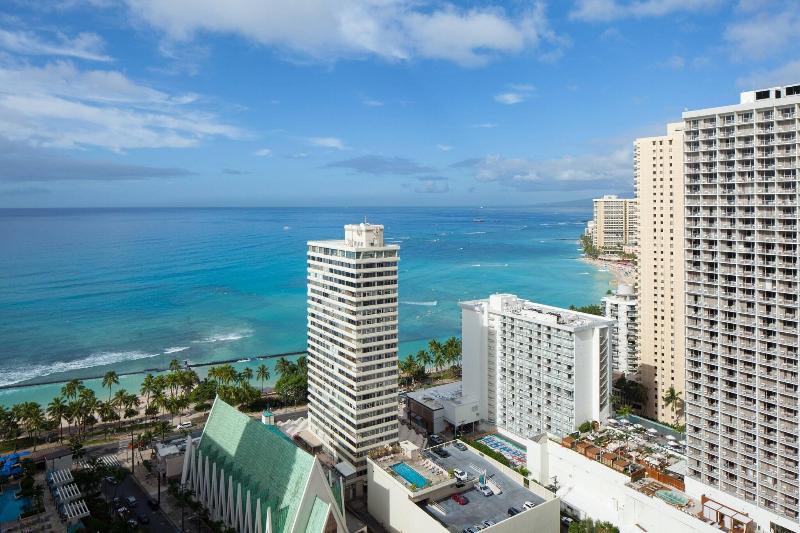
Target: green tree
(109, 380)
(57, 411)
(262, 373)
(625, 411)
(424, 360)
(71, 388)
(283, 366)
(452, 351)
(672, 398)
(246, 375)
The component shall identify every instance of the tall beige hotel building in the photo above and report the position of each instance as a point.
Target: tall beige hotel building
(658, 171)
(352, 345)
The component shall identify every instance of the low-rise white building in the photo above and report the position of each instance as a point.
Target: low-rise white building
(438, 408)
(621, 307)
(409, 492)
(535, 368)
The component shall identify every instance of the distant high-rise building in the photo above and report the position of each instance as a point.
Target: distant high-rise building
(352, 343)
(621, 307)
(658, 171)
(535, 368)
(742, 310)
(615, 221)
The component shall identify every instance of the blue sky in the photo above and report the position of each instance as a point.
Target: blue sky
(361, 102)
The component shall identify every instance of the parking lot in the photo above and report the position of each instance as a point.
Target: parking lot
(479, 508)
(154, 518)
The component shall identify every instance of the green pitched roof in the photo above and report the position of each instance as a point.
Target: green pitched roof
(261, 458)
(318, 517)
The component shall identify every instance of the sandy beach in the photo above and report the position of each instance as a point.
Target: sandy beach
(624, 272)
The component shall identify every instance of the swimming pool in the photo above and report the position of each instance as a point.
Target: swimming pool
(672, 497)
(410, 475)
(510, 450)
(11, 507)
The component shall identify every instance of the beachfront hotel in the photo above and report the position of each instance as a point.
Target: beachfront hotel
(534, 368)
(352, 344)
(621, 307)
(742, 316)
(658, 171)
(615, 221)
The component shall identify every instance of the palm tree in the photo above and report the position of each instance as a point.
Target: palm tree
(107, 414)
(424, 360)
(437, 352)
(148, 388)
(409, 367)
(57, 410)
(283, 366)
(262, 373)
(246, 375)
(109, 380)
(672, 398)
(625, 411)
(119, 403)
(452, 350)
(71, 388)
(174, 365)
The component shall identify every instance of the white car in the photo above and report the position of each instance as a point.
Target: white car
(485, 490)
(460, 475)
(184, 425)
(528, 505)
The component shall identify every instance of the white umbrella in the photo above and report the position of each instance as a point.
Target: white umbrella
(670, 437)
(611, 421)
(624, 421)
(638, 426)
(652, 431)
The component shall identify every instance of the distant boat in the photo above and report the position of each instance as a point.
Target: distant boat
(478, 220)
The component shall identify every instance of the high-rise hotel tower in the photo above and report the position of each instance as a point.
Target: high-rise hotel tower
(742, 289)
(352, 343)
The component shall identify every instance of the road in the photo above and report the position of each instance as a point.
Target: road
(157, 521)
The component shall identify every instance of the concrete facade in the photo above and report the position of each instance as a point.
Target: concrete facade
(658, 171)
(615, 222)
(742, 311)
(622, 308)
(535, 368)
(352, 343)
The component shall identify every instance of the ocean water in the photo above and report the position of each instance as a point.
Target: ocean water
(83, 291)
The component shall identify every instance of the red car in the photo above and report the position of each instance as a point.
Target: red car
(459, 499)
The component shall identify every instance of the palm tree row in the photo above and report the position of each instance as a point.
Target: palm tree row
(438, 355)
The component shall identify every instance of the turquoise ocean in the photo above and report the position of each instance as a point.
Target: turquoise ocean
(83, 291)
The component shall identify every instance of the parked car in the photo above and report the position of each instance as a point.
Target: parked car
(152, 503)
(116, 502)
(131, 501)
(460, 475)
(459, 499)
(488, 523)
(435, 439)
(470, 530)
(513, 511)
(528, 505)
(122, 512)
(460, 445)
(484, 489)
(441, 452)
(133, 523)
(566, 520)
(184, 425)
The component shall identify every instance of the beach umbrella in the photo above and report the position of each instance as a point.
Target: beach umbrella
(670, 437)
(652, 431)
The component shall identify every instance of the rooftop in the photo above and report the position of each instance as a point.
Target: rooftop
(434, 397)
(455, 517)
(510, 304)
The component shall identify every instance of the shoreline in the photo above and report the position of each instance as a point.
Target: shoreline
(624, 273)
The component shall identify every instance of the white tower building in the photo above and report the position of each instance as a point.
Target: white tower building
(352, 343)
(535, 368)
(742, 287)
(621, 307)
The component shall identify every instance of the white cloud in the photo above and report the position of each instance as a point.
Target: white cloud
(764, 34)
(394, 30)
(571, 172)
(783, 75)
(608, 10)
(485, 125)
(60, 105)
(372, 103)
(444, 147)
(673, 62)
(328, 142)
(88, 46)
(264, 152)
(432, 185)
(518, 93)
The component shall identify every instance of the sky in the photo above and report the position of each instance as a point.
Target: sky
(108, 103)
